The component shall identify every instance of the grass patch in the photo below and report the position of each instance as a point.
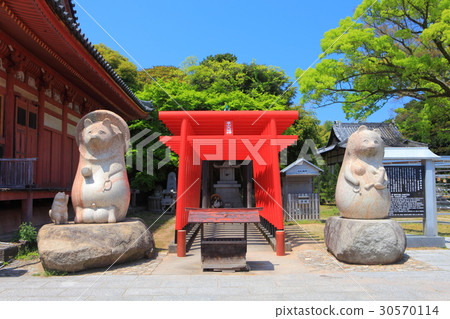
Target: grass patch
(315, 231)
(417, 229)
(28, 253)
(444, 217)
(163, 228)
(315, 228)
(155, 220)
(326, 211)
(305, 222)
(50, 273)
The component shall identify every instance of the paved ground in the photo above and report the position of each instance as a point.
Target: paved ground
(307, 273)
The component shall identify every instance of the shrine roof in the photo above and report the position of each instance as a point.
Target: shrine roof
(212, 122)
(64, 9)
(49, 29)
(408, 153)
(292, 169)
(340, 132)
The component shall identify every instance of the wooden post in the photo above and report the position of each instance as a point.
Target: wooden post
(318, 185)
(249, 171)
(205, 184)
(278, 220)
(41, 145)
(9, 112)
(286, 194)
(280, 242)
(64, 160)
(27, 207)
(274, 164)
(180, 221)
(181, 243)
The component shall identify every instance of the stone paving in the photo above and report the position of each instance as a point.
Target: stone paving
(321, 261)
(303, 274)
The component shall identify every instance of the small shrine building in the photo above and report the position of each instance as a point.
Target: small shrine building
(206, 140)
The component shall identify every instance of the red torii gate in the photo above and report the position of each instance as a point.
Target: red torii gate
(230, 136)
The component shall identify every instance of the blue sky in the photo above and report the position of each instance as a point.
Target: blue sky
(283, 33)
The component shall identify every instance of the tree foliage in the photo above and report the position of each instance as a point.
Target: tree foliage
(426, 122)
(307, 127)
(121, 65)
(142, 180)
(324, 132)
(328, 182)
(220, 58)
(160, 73)
(218, 81)
(389, 49)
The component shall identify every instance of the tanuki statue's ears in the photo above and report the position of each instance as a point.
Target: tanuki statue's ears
(362, 128)
(87, 122)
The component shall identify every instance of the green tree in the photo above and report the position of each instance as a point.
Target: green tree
(328, 181)
(220, 58)
(397, 48)
(121, 65)
(141, 179)
(426, 122)
(306, 128)
(324, 132)
(160, 73)
(135, 80)
(218, 81)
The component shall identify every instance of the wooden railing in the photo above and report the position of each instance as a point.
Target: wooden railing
(302, 206)
(16, 172)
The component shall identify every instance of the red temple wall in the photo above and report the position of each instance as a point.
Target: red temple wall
(36, 88)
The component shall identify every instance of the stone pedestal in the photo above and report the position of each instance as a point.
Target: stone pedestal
(229, 192)
(76, 247)
(365, 241)
(227, 187)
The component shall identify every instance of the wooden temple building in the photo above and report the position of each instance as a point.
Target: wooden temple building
(233, 154)
(333, 152)
(50, 76)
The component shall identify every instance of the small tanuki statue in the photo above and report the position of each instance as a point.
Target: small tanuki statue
(364, 234)
(361, 190)
(58, 213)
(101, 192)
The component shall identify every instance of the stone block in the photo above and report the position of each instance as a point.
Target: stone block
(7, 251)
(415, 241)
(76, 247)
(367, 242)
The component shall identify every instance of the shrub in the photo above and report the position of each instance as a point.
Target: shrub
(26, 232)
(328, 181)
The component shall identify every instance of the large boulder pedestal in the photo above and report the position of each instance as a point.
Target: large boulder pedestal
(365, 241)
(76, 247)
